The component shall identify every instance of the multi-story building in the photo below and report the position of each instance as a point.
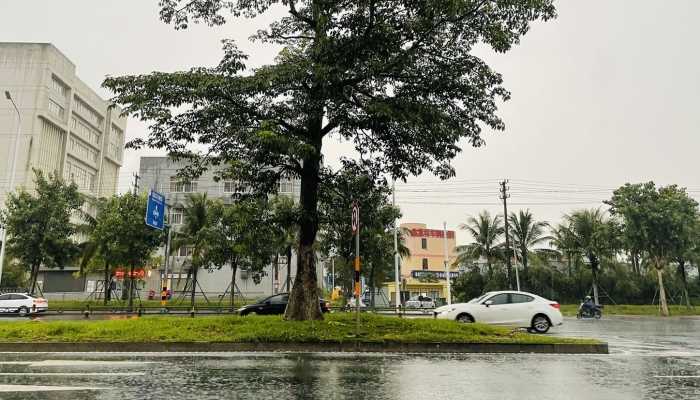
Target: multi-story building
(66, 129)
(423, 273)
(160, 174)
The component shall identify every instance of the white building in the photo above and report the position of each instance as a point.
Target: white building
(66, 129)
(160, 174)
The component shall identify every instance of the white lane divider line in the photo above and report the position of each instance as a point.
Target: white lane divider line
(79, 363)
(34, 388)
(48, 374)
(678, 376)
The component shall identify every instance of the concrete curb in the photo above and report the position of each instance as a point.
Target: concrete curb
(424, 348)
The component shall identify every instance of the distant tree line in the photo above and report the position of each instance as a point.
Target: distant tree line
(639, 251)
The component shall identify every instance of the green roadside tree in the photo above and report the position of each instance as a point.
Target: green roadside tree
(194, 234)
(527, 233)
(98, 247)
(664, 219)
(486, 232)
(377, 217)
(564, 241)
(239, 235)
(595, 237)
(39, 226)
(285, 222)
(398, 79)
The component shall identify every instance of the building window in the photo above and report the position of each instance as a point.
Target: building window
(230, 187)
(286, 185)
(58, 87)
(424, 243)
(82, 177)
(116, 138)
(82, 151)
(178, 185)
(56, 109)
(185, 251)
(425, 263)
(84, 131)
(88, 113)
(175, 217)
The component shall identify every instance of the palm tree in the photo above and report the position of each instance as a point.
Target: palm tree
(593, 235)
(193, 233)
(563, 240)
(486, 232)
(526, 233)
(96, 245)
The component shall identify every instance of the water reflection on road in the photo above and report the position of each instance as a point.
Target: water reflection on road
(650, 358)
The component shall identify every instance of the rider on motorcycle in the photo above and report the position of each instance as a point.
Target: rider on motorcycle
(588, 304)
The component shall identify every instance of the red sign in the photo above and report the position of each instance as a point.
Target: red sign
(137, 274)
(433, 233)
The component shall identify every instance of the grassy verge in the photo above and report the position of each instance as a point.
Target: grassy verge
(623, 309)
(336, 328)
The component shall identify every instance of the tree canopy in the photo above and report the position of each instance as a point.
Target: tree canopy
(396, 78)
(39, 224)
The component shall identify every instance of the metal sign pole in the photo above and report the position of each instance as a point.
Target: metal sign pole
(356, 231)
(447, 270)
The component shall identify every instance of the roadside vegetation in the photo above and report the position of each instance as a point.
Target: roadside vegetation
(335, 328)
(570, 310)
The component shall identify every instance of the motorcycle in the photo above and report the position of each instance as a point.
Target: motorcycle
(596, 311)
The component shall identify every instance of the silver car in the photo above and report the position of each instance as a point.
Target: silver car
(420, 301)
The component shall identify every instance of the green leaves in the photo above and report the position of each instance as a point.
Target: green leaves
(40, 224)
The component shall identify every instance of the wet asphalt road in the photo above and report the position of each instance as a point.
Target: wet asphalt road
(651, 358)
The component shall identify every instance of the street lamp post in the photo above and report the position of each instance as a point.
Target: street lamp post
(12, 176)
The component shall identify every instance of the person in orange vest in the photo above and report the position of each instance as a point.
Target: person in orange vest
(164, 296)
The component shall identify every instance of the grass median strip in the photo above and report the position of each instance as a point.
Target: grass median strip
(336, 328)
(570, 310)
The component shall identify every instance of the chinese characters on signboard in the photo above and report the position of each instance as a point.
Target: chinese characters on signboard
(433, 233)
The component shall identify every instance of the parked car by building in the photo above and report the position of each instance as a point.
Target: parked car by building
(22, 304)
(274, 305)
(420, 301)
(511, 308)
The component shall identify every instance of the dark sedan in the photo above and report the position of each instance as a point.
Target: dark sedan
(274, 305)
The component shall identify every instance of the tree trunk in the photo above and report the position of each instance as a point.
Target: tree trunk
(131, 288)
(303, 298)
(662, 291)
(289, 269)
(33, 278)
(525, 261)
(594, 273)
(106, 284)
(684, 279)
(276, 274)
(234, 267)
(371, 285)
(194, 285)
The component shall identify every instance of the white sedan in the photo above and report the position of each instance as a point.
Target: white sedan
(22, 303)
(511, 308)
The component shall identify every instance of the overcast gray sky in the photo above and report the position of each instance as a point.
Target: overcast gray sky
(607, 93)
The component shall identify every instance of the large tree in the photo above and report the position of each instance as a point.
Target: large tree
(239, 235)
(665, 220)
(486, 232)
(527, 233)
(39, 224)
(194, 234)
(133, 242)
(396, 78)
(595, 237)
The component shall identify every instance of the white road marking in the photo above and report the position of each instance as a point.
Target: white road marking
(33, 388)
(678, 376)
(48, 374)
(78, 363)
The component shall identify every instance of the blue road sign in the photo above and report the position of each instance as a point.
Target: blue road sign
(155, 210)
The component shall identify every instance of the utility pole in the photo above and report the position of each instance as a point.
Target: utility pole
(136, 183)
(504, 196)
(447, 269)
(397, 296)
(13, 169)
